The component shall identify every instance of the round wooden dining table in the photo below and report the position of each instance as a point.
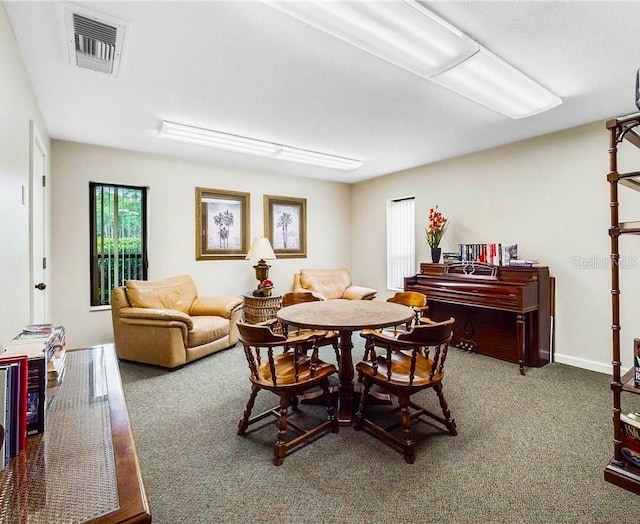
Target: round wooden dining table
(345, 316)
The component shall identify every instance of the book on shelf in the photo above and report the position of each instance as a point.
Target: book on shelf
(523, 263)
(4, 400)
(630, 438)
(631, 423)
(36, 395)
(636, 362)
(9, 428)
(632, 455)
(492, 253)
(22, 363)
(635, 415)
(450, 257)
(36, 381)
(15, 409)
(630, 442)
(55, 366)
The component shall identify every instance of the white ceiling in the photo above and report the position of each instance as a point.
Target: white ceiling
(248, 69)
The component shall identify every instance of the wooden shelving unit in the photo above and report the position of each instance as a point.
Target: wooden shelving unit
(619, 471)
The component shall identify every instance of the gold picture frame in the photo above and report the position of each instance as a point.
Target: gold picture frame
(285, 225)
(222, 224)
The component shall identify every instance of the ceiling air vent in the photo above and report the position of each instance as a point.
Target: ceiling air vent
(95, 42)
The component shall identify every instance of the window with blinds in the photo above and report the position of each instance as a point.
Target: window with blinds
(118, 238)
(401, 241)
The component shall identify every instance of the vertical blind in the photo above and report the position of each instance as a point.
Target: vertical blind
(401, 241)
(118, 238)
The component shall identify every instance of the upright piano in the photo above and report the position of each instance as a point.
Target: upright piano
(500, 311)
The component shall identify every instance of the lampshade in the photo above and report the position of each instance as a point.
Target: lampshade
(406, 34)
(260, 250)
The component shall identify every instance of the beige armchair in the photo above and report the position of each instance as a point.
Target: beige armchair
(166, 323)
(329, 284)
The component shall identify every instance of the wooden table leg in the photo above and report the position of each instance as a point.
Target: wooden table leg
(345, 391)
(346, 374)
(520, 340)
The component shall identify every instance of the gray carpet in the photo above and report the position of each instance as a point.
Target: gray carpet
(529, 449)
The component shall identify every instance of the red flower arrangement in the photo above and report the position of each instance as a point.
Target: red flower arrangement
(266, 283)
(264, 288)
(437, 227)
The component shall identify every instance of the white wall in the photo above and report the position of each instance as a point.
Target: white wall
(550, 196)
(17, 108)
(172, 183)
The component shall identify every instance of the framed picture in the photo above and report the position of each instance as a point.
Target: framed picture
(285, 225)
(222, 224)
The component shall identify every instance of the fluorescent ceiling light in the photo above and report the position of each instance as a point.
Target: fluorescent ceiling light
(409, 36)
(206, 137)
(251, 146)
(490, 81)
(402, 33)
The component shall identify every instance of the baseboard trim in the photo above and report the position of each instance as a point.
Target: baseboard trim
(591, 365)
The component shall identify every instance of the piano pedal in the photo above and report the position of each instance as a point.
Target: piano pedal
(467, 345)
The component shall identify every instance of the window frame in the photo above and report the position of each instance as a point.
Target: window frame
(94, 295)
(406, 229)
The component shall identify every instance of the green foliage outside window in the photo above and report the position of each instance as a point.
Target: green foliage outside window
(118, 238)
(126, 245)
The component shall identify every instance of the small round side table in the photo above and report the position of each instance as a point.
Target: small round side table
(259, 309)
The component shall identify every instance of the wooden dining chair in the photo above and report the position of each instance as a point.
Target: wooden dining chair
(406, 364)
(413, 299)
(326, 338)
(287, 374)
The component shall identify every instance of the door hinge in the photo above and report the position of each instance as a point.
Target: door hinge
(44, 181)
(44, 262)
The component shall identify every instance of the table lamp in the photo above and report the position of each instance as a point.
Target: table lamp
(261, 250)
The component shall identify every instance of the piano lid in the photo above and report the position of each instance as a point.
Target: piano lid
(481, 271)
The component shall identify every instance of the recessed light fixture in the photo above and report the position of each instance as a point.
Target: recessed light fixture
(409, 36)
(252, 146)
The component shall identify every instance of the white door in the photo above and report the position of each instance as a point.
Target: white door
(37, 202)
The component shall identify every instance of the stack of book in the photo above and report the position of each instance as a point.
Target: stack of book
(49, 338)
(450, 258)
(631, 437)
(25, 364)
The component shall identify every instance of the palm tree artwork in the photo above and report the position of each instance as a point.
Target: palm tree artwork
(223, 220)
(284, 221)
(224, 224)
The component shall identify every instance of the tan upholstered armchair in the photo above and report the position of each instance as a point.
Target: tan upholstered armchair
(166, 323)
(330, 284)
